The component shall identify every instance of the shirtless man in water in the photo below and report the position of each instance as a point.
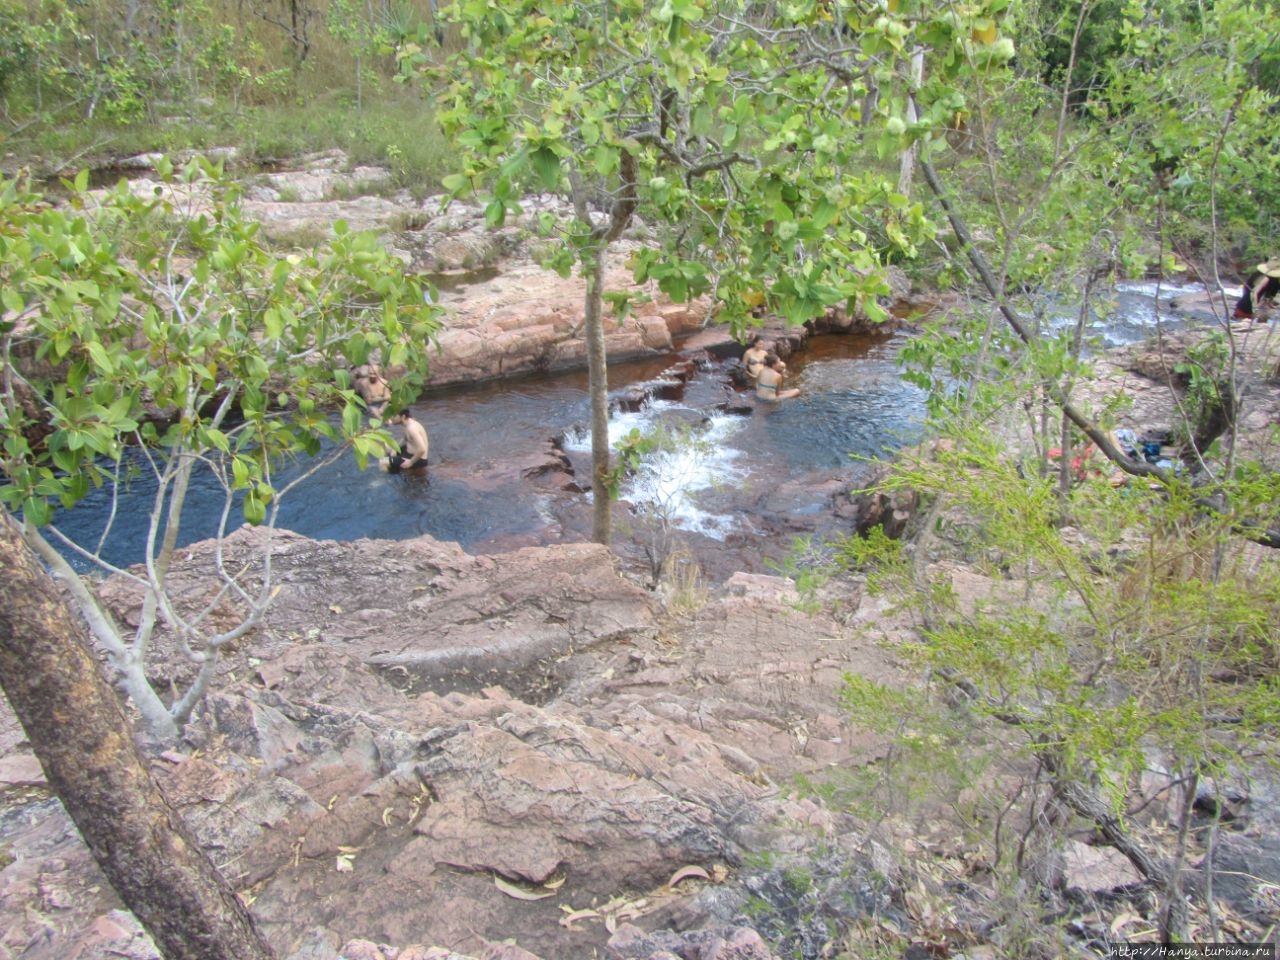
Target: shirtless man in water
(413, 451)
(372, 388)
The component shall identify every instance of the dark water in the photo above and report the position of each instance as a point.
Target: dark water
(746, 472)
(853, 402)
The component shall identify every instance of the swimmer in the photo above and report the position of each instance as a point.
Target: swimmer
(413, 451)
(769, 382)
(753, 359)
(372, 388)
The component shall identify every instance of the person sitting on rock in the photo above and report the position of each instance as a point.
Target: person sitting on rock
(1260, 291)
(769, 382)
(370, 386)
(413, 450)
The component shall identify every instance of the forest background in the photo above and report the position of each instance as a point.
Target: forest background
(1067, 144)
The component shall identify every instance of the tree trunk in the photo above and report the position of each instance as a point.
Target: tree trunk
(907, 162)
(598, 387)
(85, 746)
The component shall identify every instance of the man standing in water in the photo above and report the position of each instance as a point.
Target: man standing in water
(413, 450)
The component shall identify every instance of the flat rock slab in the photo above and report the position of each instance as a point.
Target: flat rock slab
(426, 611)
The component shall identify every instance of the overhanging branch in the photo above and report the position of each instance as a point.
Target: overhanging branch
(1101, 438)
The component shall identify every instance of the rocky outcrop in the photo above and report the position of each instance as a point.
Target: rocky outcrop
(522, 319)
(528, 319)
(426, 613)
(519, 319)
(353, 803)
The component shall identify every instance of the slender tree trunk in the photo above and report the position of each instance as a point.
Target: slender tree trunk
(85, 745)
(907, 162)
(598, 386)
(593, 261)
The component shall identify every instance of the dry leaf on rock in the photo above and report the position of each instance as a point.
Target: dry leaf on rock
(520, 893)
(575, 916)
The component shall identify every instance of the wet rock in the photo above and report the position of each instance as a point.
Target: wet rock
(864, 507)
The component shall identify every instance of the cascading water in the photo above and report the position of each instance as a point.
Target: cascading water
(671, 481)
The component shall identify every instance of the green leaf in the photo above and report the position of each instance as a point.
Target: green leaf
(37, 511)
(824, 212)
(11, 299)
(547, 166)
(456, 184)
(606, 160)
(495, 213)
(101, 359)
(217, 439)
(255, 508)
(352, 420)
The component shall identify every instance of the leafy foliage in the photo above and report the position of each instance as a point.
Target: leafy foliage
(160, 323)
(739, 130)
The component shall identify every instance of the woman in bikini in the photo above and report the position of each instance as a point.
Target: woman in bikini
(769, 382)
(753, 359)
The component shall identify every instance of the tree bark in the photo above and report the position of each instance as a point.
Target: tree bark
(85, 745)
(593, 263)
(598, 387)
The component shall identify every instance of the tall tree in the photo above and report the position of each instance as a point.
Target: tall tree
(724, 128)
(85, 745)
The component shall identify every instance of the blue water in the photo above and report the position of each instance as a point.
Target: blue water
(853, 402)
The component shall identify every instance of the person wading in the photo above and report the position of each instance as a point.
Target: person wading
(413, 450)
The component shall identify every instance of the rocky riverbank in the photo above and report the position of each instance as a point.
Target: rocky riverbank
(503, 314)
(430, 754)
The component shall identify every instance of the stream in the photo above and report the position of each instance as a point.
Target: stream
(732, 493)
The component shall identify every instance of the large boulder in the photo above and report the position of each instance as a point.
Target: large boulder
(526, 319)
